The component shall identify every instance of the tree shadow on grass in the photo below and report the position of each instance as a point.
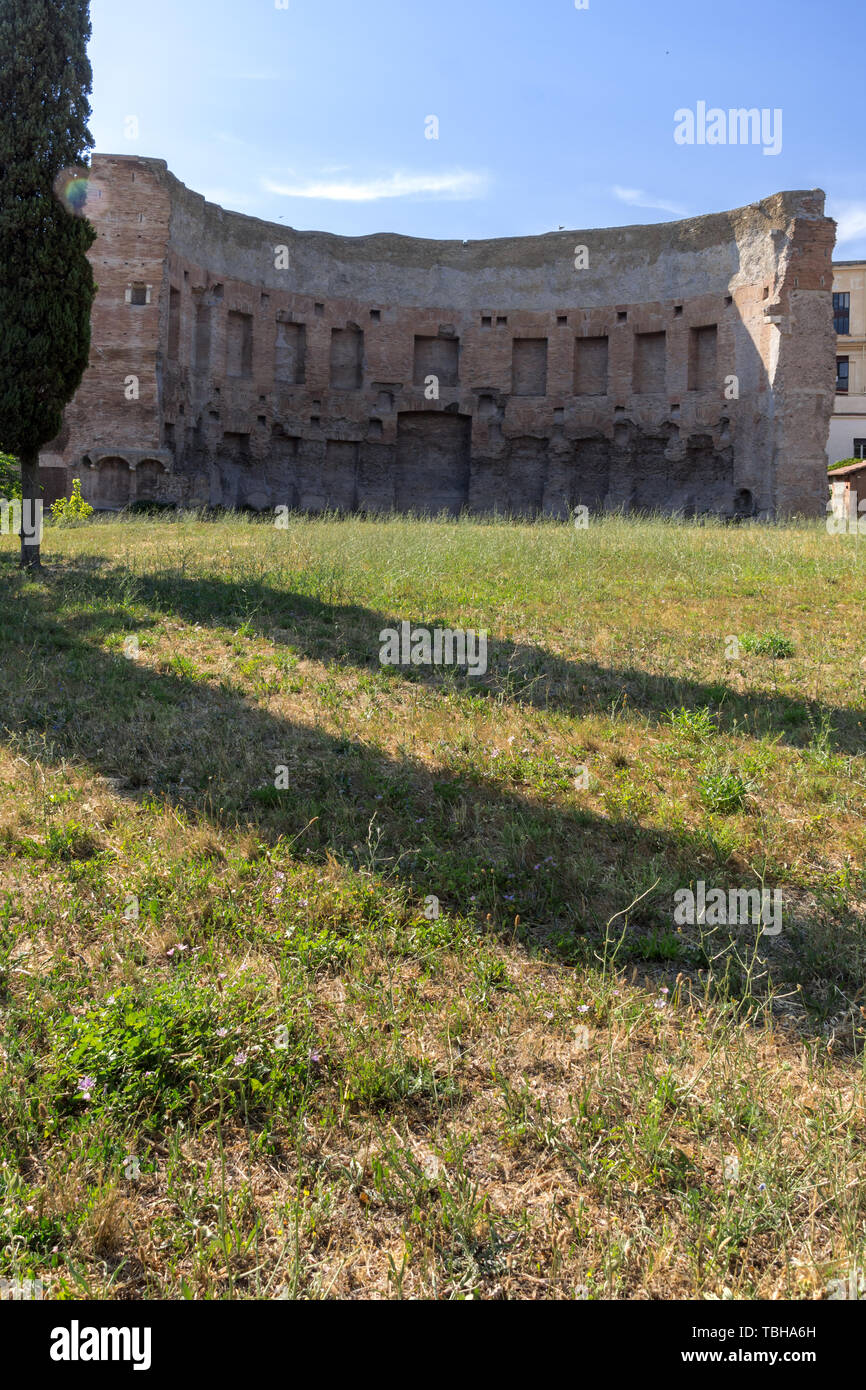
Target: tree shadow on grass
(487, 851)
(347, 636)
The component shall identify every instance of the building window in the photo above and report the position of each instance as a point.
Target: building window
(347, 358)
(703, 347)
(841, 376)
(437, 357)
(173, 323)
(842, 312)
(239, 344)
(649, 364)
(290, 353)
(859, 449)
(201, 337)
(139, 294)
(590, 366)
(529, 367)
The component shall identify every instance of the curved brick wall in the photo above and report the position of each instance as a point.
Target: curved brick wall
(688, 366)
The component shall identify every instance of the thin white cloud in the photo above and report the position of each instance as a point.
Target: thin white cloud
(636, 198)
(456, 185)
(851, 218)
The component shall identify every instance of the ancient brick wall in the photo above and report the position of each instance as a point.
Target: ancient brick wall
(686, 367)
(113, 422)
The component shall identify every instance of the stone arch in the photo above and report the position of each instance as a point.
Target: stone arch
(149, 475)
(111, 486)
(744, 502)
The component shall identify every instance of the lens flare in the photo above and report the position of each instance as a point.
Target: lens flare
(75, 195)
(79, 193)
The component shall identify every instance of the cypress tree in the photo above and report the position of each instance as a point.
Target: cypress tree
(46, 281)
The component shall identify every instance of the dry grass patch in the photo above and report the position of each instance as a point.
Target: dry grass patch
(321, 980)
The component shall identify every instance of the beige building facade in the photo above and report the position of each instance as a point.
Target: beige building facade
(848, 426)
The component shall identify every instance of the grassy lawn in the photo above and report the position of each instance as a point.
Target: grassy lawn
(414, 1018)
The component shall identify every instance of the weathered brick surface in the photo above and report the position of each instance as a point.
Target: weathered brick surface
(278, 367)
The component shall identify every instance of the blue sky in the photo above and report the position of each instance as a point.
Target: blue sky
(548, 115)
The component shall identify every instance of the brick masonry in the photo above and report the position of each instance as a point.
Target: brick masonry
(240, 363)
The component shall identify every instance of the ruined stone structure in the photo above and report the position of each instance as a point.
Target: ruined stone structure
(686, 367)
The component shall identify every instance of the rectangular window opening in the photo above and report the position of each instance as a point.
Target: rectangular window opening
(173, 323)
(703, 350)
(590, 366)
(842, 312)
(439, 357)
(649, 363)
(290, 351)
(347, 359)
(529, 367)
(239, 344)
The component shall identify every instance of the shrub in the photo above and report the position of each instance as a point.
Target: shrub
(724, 792)
(73, 508)
(693, 723)
(773, 644)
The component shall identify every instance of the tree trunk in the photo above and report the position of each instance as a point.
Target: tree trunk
(31, 512)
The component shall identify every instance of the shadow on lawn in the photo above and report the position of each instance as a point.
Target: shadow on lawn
(347, 635)
(484, 851)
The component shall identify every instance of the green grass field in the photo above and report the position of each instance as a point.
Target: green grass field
(241, 1054)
